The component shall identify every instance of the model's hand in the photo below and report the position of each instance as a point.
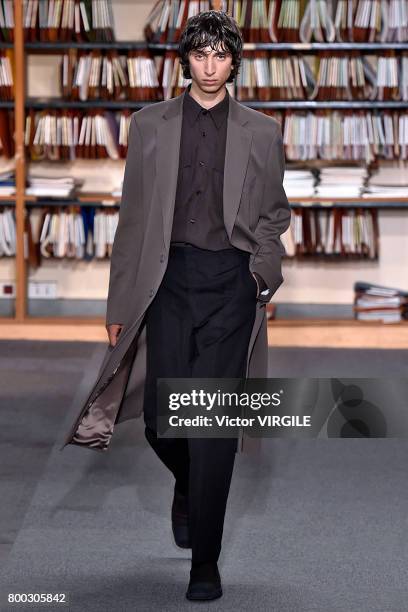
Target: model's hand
(113, 332)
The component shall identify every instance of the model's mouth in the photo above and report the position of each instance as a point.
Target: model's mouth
(209, 81)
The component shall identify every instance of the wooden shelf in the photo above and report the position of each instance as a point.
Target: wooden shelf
(43, 103)
(108, 200)
(322, 334)
(54, 102)
(338, 333)
(55, 320)
(311, 104)
(332, 322)
(76, 326)
(304, 47)
(248, 46)
(67, 45)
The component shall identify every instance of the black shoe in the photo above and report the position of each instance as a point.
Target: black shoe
(205, 582)
(179, 519)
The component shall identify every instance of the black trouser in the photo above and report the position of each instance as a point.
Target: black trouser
(198, 326)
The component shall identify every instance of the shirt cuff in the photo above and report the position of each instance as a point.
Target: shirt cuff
(264, 293)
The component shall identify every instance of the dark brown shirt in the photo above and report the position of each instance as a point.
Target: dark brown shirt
(198, 212)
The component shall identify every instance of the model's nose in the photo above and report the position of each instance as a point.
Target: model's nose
(209, 68)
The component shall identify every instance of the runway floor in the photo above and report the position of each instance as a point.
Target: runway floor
(311, 524)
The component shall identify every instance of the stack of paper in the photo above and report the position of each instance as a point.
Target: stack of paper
(388, 182)
(341, 182)
(376, 302)
(299, 183)
(53, 187)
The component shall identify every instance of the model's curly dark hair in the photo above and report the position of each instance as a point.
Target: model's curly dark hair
(211, 28)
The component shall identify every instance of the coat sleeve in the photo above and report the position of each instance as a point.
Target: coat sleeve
(127, 242)
(274, 218)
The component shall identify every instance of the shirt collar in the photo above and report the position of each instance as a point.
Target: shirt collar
(193, 109)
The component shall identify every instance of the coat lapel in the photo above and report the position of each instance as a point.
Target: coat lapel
(238, 147)
(237, 150)
(167, 161)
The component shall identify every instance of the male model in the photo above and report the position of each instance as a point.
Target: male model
(196, 257)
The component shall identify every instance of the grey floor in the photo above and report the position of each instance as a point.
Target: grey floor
(311, 524)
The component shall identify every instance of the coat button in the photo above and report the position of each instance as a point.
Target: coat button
(162, 257)
(151, 292)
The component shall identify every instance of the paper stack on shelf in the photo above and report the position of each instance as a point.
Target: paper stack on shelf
(53, 186)
(341, 182)
(7, 183)
(299, 183)
(388, 182)
(376, 302)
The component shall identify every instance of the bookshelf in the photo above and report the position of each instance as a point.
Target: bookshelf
(22, 103)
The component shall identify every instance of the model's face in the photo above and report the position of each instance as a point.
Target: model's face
(210, 68)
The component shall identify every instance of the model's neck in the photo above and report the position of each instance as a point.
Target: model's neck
(205, 99)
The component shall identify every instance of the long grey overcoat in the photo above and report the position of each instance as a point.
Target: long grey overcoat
(256, 212)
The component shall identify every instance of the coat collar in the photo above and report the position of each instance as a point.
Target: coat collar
(237, 150)
(174, 106)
